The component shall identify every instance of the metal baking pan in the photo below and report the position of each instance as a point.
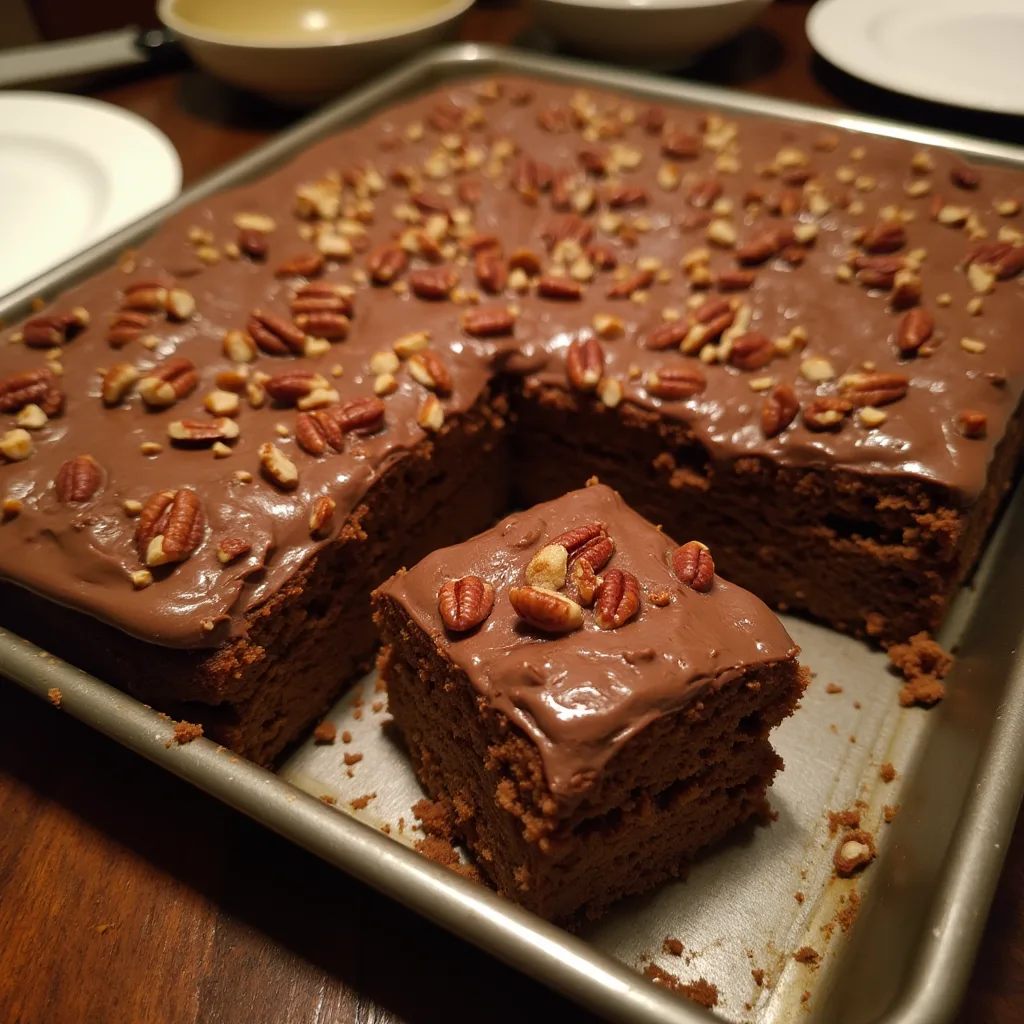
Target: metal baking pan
(923, 902)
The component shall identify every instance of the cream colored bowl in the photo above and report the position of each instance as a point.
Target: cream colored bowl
(660, 34)
(304, 51)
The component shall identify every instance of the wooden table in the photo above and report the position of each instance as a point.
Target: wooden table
(126, 895)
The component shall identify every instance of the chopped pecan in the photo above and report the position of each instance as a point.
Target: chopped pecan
(275, 335)
(54, 328)
(171, 526)
(617, 599)
(550, 286)
(332, 326)
(38, 387)
(680, 145)
(675, 382)
(764, 244)
(433, 282)
(593, 161)
(906, 289)
(1010, 264)
(635, 282)
(669, 334)
(546, 610)
(239, 347)
(428, 369)
(288, 387)
(584, 364)
(885, 236)
(586, 582)
(547, 568)
(653, 120)
(751, 351)
(321, 515)
(703, 194)
(915, 329)
(168, 383)
(693, 565)
(526, 260)
(469, 192)
(972, 423)
(465, 603)
(491, 270)
(430, 202)
(602, 256)
(488, 321)
(735, 280)
(877, 271)
(307, 264)
(555, 118)
(965, 176)
(779, 409)
(203, 432)
(623, 195)
(232, 548)
(278, 467)
(78, 479)
(565, 226)
(145, 296)
(386, 263)
(826, 413)
(874, 388)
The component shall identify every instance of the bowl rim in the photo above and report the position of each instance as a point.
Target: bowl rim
(637, 6)
(395, 30)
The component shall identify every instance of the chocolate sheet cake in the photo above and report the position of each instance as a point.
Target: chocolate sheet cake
(588, 702)
(797, 344)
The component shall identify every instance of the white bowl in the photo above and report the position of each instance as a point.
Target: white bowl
(306, 51)
(654, 33)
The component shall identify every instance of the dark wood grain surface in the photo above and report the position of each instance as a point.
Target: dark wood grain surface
(126, 895)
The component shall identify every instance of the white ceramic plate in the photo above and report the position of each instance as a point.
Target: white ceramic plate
(72, 171)
(967, 53)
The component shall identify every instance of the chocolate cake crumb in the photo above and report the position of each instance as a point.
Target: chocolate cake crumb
(799, 896)
(386, 829)
(378, 706)
(401, 826)
(887, 772)
(185, 732)
(856, 705)
(102, 929)
(701, 991)
(55, 696)
(351, 759)
(349, 773)
(850, 818)
(357, 714)
(853, 739)
(807, 955)
(361, 801)
(848, 914)
(833, 688)
(758, 975)
(328, 799)
(325, 733)
(922, 662)
(855, 851)
(380, 686)
(889, 811)
(805, 996)
(346, 737)
(672, 946)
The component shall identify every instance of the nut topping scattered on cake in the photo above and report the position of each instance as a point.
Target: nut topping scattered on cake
(465, 603)
(693, 564)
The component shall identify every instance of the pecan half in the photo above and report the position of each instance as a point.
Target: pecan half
(764, 244)
(826, 413)
(54, 328)
(523, 178)
(358, 415)
(78, 479)
(873, 388)
(433, 282)
(307, 264)
(145, 296)
(167, 383)
(332, 326)
(546, 610)
(602, 256)
(617, 599)
(635, 282)
(704, 193)
(669, 334)
(1010, 264)
(427, 368)
(584, 364)
(550, 286)
(734, 280)
(275, 335)
(253, 243)
(386, 263)
(321, 297)
(916, 327)
(751, 351)
(566, 226)
(38, 387)
(596, 552)
(311, 435)
(653, 120)
(465, 603)
(288, 387)
(680, 145)
(117, 382)
(126, 327)
(675, 382)
(693, 565)
(965, 176)
(170, 527)
(621, 196)
(488, 321)
(573, 540)
(709, 311)
(779, 409)
(491, 270)
(885, 236)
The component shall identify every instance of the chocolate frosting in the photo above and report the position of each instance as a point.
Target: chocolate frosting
(582, 695)
(82, 555)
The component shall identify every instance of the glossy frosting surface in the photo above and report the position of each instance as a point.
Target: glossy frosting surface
(581, 695)
(83, 555)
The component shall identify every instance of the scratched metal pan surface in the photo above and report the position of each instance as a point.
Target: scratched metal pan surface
(750, 905)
